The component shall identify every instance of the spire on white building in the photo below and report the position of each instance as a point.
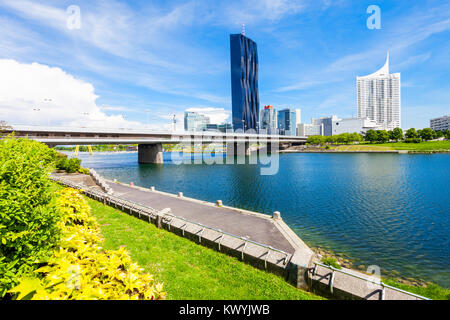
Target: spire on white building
(383, 71)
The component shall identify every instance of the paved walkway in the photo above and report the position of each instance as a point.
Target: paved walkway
(246, 225)
(254, 227)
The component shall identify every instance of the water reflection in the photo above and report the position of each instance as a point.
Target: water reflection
(385, 209)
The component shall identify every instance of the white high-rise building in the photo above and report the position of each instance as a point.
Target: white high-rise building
(298, 116)
(378, 97)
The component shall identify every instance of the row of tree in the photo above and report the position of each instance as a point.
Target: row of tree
(411, 135)
(343, 138)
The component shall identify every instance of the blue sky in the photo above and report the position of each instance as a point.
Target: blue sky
(168, 56)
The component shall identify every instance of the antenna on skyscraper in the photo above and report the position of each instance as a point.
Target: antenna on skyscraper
(243, 29)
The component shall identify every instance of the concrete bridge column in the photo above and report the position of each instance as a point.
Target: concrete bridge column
(238, 149)
(150, 153)
(272, 147)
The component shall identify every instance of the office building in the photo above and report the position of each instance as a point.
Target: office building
(378, 97)
(244, 82)
(287, 122)
(327, 124)
(269, 120)
(351, 125)
(225, 127)
(440, 124)
(194, 121)
(298, 119)
(212, 127)
(307, 129)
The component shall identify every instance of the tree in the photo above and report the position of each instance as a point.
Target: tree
(446, 134)
(391, 135)
(439, 134)
(419, 133)
(331, 139)
(397, 134)
(356, 137)
(371, 136)
(383, 136)
(411, 133)
(315, 140)
(344, 137)
(426, 134)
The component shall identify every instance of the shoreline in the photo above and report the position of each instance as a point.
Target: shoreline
(343, 260)
(282, 151)
(346, 262)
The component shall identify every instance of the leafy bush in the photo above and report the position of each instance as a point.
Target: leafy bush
(71, 165)
(330, 261)
(413, 140)
(28, 223)
(80, 268)
(83, 170)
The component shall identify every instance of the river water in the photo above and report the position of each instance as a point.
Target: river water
(389, 210)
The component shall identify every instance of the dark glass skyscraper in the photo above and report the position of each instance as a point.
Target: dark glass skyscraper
(244, 82)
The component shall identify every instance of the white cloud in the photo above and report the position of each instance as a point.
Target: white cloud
(216, 115)
(39, 94)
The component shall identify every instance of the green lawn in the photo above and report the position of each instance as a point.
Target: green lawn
(422, 146)
(188, 270)
(363, 147)
(432, 291)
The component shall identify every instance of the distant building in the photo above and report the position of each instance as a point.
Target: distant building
(212, 127)
(225, 127)
(378, 97)
(351, 125)
(298, 116)
(269, 120)
(440, 124)
(307, 130)
(287, 122)
(194, 121)
(327, 124)
(244, 82)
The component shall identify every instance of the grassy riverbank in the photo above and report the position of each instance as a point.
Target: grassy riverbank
(437, 146)
(188, 270)
(425, 146)
(431, 290)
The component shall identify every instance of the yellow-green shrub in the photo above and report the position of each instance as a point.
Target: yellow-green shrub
(28, 224)
(80, 268)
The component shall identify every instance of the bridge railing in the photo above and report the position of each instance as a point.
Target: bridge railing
(141, 131)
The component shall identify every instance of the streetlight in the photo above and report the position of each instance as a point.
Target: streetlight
(147, 111)
(48, 100)
(37, 110)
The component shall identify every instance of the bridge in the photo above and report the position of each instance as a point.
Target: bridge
(150, 141)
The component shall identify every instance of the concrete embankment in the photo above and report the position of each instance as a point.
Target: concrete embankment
(261, 240)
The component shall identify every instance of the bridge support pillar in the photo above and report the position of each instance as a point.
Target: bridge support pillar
(238, 149)
(150, 153)
(272, 147)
